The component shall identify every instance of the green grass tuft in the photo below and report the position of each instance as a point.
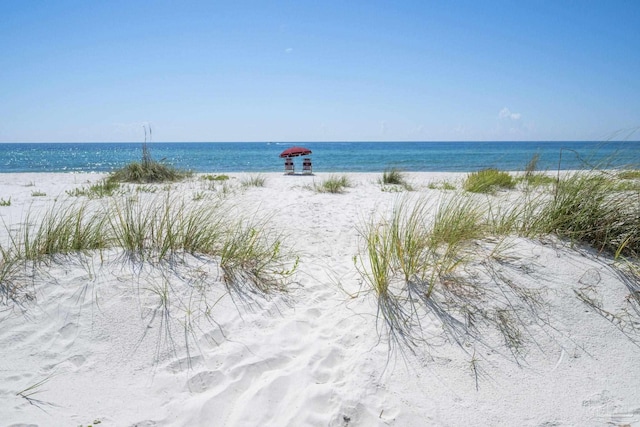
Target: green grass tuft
(442, 185)
(629, 174)
(537, 180)
(254, 181)
(533, 178)
(214, 177)
(458, 219)
(252, 255)
(11, 275)
(333, 184)
(408, 254)
(104, 188)
(591, 208)
(149, 229)
(488, 181)
(394, 176)
(146, 173)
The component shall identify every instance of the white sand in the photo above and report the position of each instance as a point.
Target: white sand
(316, 356)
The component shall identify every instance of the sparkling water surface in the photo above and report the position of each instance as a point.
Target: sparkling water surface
(327, 156)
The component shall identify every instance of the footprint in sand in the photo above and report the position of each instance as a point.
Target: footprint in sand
(67, 335)
(184, 364)
(313, 313)
(212, 339)
(77, 360)
(326, 368)
(68, 330)
(203, 381)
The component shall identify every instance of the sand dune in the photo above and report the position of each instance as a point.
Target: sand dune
(103, 340)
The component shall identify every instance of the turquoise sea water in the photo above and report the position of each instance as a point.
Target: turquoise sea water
(327, 156)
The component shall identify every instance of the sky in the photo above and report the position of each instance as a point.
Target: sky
(346, 70)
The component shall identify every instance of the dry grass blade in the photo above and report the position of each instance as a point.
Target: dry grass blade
(33, 389)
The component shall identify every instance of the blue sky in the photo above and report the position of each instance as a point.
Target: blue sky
(318, 70)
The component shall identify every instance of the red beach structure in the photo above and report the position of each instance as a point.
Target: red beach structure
(295, 152)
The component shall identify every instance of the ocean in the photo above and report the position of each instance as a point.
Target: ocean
(258, 157)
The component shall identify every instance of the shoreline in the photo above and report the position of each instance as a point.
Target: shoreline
(268, 172)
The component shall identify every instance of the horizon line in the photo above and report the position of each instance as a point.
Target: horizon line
(316, 141)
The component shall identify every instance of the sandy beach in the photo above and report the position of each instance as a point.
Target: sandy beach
(99, 338)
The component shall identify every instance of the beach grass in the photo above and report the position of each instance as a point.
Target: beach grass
(252, 254)
(395, 176)
(413, 260)
(458, 219)
(150, 228)
(521, 217)
(33, 389)
(68, 228)
(164, 226)
(532, 177)
(223, 183)
(5, 202)
(406, 255)
(211, 177)
(333, 184)
(378, 258)
(198, 196)
(253, 181)
(148, 172)
(159, 234)
(377, 267)
(629, 174)
(420, 241)
(409, 235)
(103, 188)
(11, 276)
(591, 207)
(62, 229)
(488, 181)
(537, 180)
(595, 207)
(415, 254)
(532, 165)
(441, 185)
